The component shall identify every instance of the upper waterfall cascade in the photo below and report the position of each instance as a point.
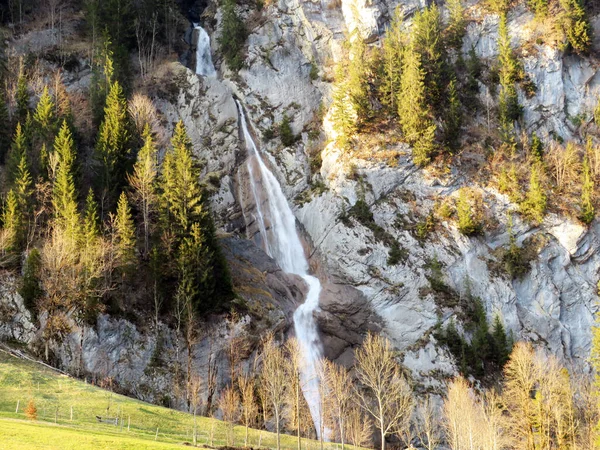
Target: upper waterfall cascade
(277, 226)
(204, 64)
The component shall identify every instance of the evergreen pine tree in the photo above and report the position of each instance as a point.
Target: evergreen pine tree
(576, 25)
(12, 220)
(23, 185)
(502, 347)
(456, 23)
(124, 235)
(45, 129)
(187, 216)
(30, 288)
(588, 211)
(539, 8)
(427, 41)
(103, 75)
(508, 103)
(468, 221)
(64, 197)
(5, 137)
(392, 49)
(182, 195)
(91, 221)
(417, 126)
(537, 147)
(44, 114)
(233, 36)
(343, 113)
(453, 118)
(22, 96)
(112, 145)
(17, 151)
(357, 79)
(534, 205)
(143, 181)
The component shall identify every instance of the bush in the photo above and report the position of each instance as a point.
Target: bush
(397, 254)
(285, 132)
(31, 410)
(30, 288)
(469, 211)
(314, 71)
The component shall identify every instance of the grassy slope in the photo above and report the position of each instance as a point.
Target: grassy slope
(23, 380)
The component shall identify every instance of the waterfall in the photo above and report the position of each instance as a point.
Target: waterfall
(204, 64)
(277, 227)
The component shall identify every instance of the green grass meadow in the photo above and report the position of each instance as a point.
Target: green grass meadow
(56, 395)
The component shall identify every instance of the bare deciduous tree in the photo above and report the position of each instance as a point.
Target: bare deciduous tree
(460, 412)
(274, 380)
(426, 424)
(519, 376)
(229, 403)
(195, 392)
(294, 397)
(358, 427)
(339, 399)
(385, 394)
(248, 403)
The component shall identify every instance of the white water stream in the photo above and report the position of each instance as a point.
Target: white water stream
(204, 64)
(277, 226)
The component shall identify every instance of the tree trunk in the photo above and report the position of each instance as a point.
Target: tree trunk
(277, 426)
(298, 413)
(382, 436)
(342, 431)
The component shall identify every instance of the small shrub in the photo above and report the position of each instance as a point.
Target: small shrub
(423, 228)
(31, 410)
(314, 71)
(396, 254)
(268, 134)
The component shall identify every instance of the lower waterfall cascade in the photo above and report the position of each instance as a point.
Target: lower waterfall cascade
(277, 226)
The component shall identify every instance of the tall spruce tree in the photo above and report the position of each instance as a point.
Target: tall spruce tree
(233, 36)
(413, 113)
(12, 220)
(187, 216)
(391, 52)
(534, 205)
(576, 25)
(452, 118)
(125, 248)
(343, 112)
(64, 194)
(22, 95)
(358, 78)
(427, 40)
(457, 28)
(112, 147)
(18, 149)
(43, 115)
(508, 104)
(45, 129)
(181, 191)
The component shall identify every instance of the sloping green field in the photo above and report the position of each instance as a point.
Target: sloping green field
(57, 396)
